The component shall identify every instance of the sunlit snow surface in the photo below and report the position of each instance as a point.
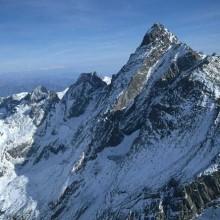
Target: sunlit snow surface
(107, 80)
(62, 93)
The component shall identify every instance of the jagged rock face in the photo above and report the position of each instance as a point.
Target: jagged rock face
(158, 33)
(28, 111)
(79, 95)
(156, 45)
(38, 94)
(145, 146)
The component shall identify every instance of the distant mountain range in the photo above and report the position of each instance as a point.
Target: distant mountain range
(11, 83)
(142, 145)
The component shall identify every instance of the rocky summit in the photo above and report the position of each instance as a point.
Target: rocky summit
(145, 146)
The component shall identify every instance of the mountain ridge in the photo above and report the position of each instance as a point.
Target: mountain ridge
(144, 146)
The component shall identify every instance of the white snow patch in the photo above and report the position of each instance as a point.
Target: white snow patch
(19, 96)
(79, 163)
(62, 93)
(107, 79)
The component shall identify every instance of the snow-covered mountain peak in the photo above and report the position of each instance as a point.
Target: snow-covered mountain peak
(79, 95)
(39, 93)
(91, 78)
(158, 33)
(144, 147)
(159, 51)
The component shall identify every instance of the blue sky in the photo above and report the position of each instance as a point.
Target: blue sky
(88, 35)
